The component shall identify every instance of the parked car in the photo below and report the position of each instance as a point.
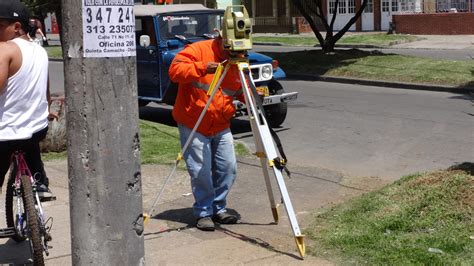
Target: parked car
(165, 30)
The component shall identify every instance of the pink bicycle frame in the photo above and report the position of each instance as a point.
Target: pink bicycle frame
(19, 159)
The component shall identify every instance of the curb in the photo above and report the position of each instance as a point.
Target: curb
(353, 46)
(379, 83)
(317, 45)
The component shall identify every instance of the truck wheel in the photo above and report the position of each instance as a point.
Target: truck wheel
(276, 113)
(142, 103)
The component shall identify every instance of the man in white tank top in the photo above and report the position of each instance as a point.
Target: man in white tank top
(24, 94)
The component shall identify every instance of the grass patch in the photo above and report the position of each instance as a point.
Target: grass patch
(55, 52)
(293, 41)
(159, 145)
(378, 39)
(375, 65)
(400, 223)
(50, 156)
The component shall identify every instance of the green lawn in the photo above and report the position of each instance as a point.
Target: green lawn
(424, 219)
(55, 52)
(378, 39)
(159, 145)
(375, 65)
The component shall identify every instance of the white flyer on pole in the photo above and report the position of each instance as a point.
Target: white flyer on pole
(108, 28)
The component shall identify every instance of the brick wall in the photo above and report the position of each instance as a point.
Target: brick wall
(377, 16)
(443, 23)
(302, 26)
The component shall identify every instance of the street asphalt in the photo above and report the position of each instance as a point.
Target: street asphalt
(170, 236)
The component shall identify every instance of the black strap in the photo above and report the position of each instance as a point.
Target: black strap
(279, 163)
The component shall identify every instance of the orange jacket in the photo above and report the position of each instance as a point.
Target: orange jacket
(188, 69)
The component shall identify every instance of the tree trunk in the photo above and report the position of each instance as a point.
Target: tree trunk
(103, 146)
(328, 46)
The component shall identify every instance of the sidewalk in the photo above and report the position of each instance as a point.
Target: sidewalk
(171, 238)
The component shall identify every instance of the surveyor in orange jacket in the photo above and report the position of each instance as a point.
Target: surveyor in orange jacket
(210, 157)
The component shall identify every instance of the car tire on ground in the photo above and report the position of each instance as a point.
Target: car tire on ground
(142, 103)
(276, 113)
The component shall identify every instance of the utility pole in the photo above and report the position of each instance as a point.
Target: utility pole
(102, 129)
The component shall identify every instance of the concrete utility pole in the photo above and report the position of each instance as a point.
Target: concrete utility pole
(102, 129)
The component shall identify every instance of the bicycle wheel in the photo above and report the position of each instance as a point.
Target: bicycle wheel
(32, 220)
(15, 211)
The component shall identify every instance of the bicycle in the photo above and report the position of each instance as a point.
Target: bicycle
(24, 213)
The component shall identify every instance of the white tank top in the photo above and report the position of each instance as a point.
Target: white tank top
(23, 103)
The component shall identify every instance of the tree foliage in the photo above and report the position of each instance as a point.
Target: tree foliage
(39, 8)
(313, 10)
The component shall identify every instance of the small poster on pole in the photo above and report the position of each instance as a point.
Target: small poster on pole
(108, 28)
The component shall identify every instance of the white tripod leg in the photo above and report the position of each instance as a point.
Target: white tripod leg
(263, 138)
(260, 153)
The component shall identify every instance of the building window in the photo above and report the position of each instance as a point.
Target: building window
(385, 6)
(394, 5)
(342, 7)
(450, 5)
(369, 7)
(407, 6)
(332, 4)
(460, 5)
(351, 7)
(441, 5)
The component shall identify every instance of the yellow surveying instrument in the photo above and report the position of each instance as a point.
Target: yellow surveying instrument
(238, 39)
(237, 29)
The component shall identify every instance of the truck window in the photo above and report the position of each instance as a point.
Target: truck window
(145, 26)
(189, 26)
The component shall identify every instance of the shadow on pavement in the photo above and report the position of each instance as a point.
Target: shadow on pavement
(157, 114)
(13, 253)
(315, 62)
(465, 166)
(185, 216)
(256, 241)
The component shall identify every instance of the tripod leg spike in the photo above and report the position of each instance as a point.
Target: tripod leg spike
(276, 214)
(300, 244)
(146, 218)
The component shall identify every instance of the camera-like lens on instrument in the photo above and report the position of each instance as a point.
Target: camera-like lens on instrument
(241, 24)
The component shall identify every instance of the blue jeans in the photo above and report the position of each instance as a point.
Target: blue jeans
(212, 166)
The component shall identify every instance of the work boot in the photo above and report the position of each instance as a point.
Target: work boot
(225, 218)
(44, 193)
(205, 224)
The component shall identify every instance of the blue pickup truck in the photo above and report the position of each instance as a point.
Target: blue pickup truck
(163, 31)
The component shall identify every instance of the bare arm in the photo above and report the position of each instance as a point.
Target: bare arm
(52, 115)
(5, 61)
(48, 94)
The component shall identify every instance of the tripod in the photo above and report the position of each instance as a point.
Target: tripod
(265, 146)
